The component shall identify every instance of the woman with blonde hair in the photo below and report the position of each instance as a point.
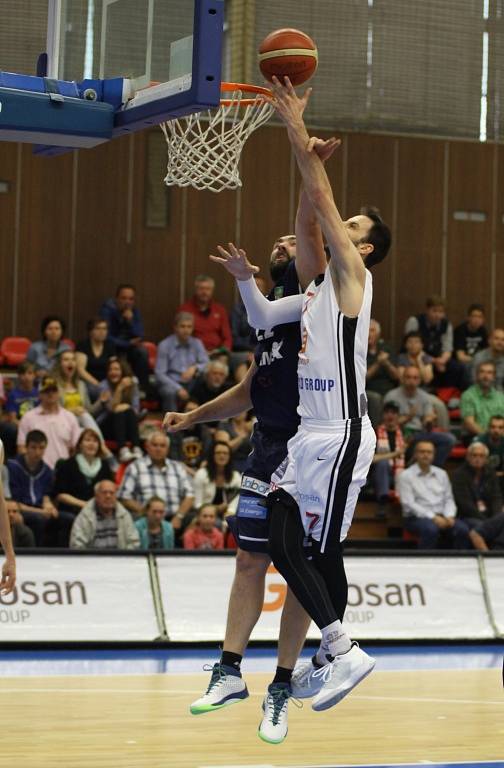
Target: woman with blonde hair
(73, 392)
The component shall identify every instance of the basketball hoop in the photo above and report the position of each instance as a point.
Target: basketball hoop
(204, 148)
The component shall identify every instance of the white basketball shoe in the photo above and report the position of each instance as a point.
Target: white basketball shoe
(274, 725)
(226, 687)
(341, 676)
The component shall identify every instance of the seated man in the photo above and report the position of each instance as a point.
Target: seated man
(381, 375)
(470, 337)
(427, 502)
(494, 441)
(417, 416)
(180, 359)
(104, 523)
(204, 534)
(156, 474)
(489, 534)
(211, 323)
(22, 536)
(481, 401)
(155, 532)
(31, 482)
(494, 353)
(437, 336)
(60, 427)
(476, 487)
(212, 383)
(126, 331)
(388, 461)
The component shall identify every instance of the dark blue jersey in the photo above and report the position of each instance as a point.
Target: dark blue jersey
(274, 387)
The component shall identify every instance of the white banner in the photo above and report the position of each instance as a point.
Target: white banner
(495, 584)
(79, 598)
(388, 597)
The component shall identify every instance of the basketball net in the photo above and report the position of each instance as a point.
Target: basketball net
(204, 148)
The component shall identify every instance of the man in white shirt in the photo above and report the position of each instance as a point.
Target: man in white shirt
(427, 503)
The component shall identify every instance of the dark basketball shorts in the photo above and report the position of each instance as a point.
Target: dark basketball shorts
(250, 525)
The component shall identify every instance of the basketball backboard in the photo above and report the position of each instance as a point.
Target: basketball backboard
(170, 50)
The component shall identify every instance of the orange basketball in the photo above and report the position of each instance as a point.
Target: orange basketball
(288, 52)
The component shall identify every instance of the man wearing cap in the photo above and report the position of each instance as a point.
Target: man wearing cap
(59, 425)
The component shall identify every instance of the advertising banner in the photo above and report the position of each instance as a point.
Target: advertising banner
(495, 583)
(79, 598)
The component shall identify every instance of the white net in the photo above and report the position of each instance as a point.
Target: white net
(204, 149)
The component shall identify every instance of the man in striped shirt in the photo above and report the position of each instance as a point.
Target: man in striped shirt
(157, 475)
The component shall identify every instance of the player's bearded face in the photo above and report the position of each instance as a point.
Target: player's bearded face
(283, 251)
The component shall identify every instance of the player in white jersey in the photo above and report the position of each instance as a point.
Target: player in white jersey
(330, 455)
(8, 580)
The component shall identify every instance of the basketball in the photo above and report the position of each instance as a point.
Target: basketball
(288, 53)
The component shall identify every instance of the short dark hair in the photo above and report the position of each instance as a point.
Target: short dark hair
(435, 301)
(378, 236)
(124, 285)
(24, 367)
(36, 436)
(475, 308)
(412, 335)
(391, 406)
(496, 417)
(96, 320)
(52, 319)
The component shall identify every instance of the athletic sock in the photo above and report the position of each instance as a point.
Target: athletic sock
(230, 659)
(334, 642)
(282, 675)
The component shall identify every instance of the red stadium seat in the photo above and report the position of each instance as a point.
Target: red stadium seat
(13, 350)
(69, 342)
(152, 352)
(458, 451)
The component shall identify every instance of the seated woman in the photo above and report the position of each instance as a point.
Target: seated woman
(218, 483)
(44, 353)
(239, 428)
(76, 477)
(155, 532)
(118, 409)
(93, 354)
(73, 392)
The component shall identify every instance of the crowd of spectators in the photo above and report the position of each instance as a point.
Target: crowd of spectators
(89, 467)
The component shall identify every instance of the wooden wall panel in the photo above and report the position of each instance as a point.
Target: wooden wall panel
(470, 187)
(45, 240)
(418, 246)
(498, 320)
(370, 181)
(8, 172)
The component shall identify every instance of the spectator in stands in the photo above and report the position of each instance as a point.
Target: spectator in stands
(470, 337)
(44, 353)
(22, 536)
(388, 461)
(180, 360)
(218, 483)
(93, 354)
(119, 402)
(211, 384)
(481, 401)
(191, 445)
(24, 395)
(437, 336)
(382, 374)
(476, 487)
(155, 532)
(8, 429)
(493, 354)
(104, 523)
(73, 392)
(427, 502)
(211, 323)
(417, 416)
(157, 475)
(59, 425)
(414, 355)
(494, 441)
(76, 477)
(203, 533)
(239, 429)
(489, 534)
(126, 331)
(31, 484)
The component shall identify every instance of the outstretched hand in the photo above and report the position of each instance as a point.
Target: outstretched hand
(235, 261)
(323, 148)
(287, 103)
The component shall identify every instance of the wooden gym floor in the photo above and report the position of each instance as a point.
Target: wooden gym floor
(75, 713)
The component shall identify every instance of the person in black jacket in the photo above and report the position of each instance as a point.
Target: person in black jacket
(76, 477)
(476, 487)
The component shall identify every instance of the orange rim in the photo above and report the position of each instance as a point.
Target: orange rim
(255, 90)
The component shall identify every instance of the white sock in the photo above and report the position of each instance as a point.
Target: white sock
(335, 641)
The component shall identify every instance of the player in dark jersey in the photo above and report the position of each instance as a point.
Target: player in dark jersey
(270, 387)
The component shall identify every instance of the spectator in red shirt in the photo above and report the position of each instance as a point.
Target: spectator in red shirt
(204, 534)
(211, 322)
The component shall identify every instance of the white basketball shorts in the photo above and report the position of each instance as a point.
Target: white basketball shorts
(326, 466)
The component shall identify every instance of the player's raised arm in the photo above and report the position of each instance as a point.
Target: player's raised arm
(261, 313)
(8, 580)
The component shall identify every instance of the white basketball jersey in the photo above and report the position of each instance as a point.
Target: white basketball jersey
(332, 359)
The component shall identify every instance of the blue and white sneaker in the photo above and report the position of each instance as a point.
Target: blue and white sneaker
(226, 687)
(304, 682)
(341, 676)
(273, 727)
